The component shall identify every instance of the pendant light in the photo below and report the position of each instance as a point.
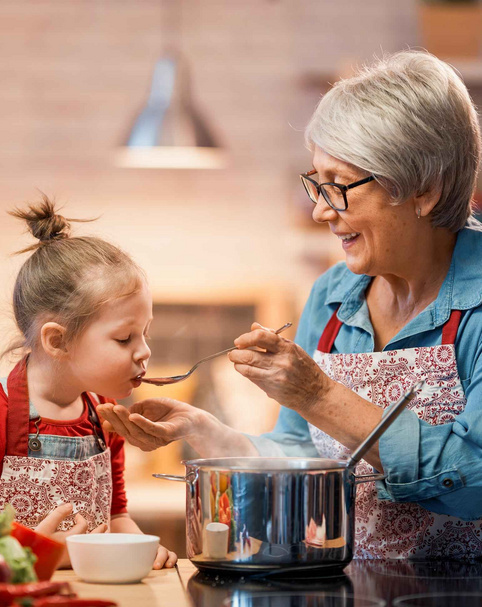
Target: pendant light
(170, 132)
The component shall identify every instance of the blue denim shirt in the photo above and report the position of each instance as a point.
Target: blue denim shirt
(416, 456)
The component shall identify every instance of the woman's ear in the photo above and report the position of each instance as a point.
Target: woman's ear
(426, 202)
(52, 338)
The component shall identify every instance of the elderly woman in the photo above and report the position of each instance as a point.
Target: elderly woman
(395, 158)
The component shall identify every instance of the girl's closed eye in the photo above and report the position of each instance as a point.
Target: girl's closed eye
(124, 341)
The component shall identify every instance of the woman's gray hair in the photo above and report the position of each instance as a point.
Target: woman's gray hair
(407, 119)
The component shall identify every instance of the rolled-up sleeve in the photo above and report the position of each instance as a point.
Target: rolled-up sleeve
(437, 466)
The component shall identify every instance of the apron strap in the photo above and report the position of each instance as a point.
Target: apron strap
(18, 411)
(92, 400)
(328, 336)
(449, 331)
(327, 339)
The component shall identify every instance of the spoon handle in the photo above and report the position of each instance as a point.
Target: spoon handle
(286, 326)
(163, 381)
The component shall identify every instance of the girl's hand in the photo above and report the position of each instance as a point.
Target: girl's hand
(122, 523)
(151, 423)
(280, 368)
(52, 521)
(164, 558)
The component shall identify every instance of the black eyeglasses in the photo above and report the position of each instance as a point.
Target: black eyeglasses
(333, 193)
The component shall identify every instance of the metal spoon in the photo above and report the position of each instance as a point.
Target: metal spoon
(163, 381)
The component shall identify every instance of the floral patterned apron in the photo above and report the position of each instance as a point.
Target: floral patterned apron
(386, 529)
(35, 486)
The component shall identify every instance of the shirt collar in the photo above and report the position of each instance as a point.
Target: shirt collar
(461, 289)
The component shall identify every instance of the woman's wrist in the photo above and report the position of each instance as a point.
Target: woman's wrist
(321, 397)
(212, 438)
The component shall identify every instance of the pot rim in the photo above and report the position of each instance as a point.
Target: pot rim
(267, 464)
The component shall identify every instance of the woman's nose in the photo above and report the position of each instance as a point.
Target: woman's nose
(323, 212)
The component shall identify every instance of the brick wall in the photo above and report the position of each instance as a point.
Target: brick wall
(74, 74)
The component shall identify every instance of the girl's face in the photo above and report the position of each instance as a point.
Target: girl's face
(108, 356)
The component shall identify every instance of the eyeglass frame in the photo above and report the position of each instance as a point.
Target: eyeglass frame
(319, 188)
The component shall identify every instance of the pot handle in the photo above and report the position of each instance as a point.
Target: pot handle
(368, 478)
(172, 477)
(190, 479)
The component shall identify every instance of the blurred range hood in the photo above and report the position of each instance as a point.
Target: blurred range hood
(170, 133)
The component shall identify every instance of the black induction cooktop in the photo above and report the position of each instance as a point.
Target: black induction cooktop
(364, 583)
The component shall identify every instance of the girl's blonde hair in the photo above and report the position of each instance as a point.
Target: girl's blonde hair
(66, 279)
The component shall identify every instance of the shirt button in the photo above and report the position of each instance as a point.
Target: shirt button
(448, 482)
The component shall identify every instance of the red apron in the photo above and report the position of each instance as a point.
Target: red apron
(35, 486)
(386, 529)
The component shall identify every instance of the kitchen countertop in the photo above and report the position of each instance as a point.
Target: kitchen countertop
(159, 589)
(360, 580)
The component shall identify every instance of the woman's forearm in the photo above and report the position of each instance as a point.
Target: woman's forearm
(215, 439)
(339, 412)
(347, 417)
(289, 375)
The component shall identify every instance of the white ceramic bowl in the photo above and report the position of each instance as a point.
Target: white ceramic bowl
(112, 558)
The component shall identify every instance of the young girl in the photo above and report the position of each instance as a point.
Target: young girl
(83, 308)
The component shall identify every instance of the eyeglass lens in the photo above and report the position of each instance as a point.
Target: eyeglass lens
(311, 189)
(332, 194)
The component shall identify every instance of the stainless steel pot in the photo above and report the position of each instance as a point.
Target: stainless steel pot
(278, 512)
(252, 514)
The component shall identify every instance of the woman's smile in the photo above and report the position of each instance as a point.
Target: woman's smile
(348, 240)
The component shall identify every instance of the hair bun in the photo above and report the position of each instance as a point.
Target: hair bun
(43, 222)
